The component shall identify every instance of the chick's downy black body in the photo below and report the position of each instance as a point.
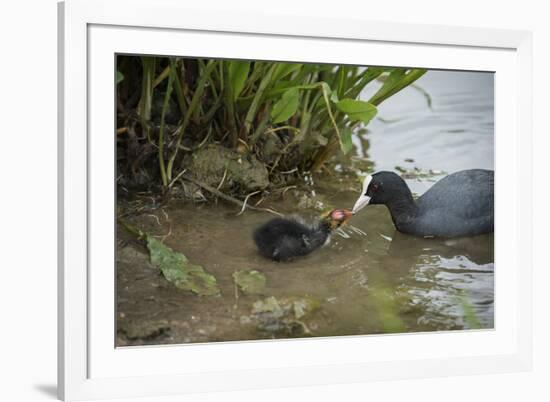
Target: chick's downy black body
(283, 239)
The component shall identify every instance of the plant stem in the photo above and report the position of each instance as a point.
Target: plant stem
(179, 88)
(161, 130)
(256, 101)
(229, 106)
(192, 106)
(146, 100)
(161, 76)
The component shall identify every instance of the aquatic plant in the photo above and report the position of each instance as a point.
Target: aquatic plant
(175, 266)
(291, 117)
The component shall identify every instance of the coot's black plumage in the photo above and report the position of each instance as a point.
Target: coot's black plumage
(282, 239)
(461, 204)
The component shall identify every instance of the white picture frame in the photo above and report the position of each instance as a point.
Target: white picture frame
(92, 32)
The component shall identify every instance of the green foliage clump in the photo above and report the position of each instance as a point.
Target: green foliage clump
(284, 115)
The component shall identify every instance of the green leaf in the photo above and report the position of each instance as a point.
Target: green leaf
(251, 282)
(357, 110)
(284, 69)
(285, 107)
(258, 99)
(390, 82)
(339, 80)
(364, 78)
(345, 140)
(394, 76)
(398, 79)
(119, 76)
(238, 72)
(177, 269)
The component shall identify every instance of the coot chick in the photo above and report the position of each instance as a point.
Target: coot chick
(461, 204)
(282, 239)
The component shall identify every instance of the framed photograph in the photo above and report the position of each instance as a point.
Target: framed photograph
(248, 204)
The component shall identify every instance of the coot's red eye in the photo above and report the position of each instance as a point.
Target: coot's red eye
(375, 187)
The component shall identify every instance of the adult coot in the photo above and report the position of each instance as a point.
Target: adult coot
(282, 239)
(461, 204)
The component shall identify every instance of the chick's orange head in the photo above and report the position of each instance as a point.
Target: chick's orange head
(340, 215)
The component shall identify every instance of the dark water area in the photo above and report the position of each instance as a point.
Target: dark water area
(370, 279)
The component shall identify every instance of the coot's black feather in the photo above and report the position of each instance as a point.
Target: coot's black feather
(461, 204)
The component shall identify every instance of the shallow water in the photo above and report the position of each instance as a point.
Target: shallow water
(377, 281)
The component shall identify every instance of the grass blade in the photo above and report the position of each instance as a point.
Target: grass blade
(396, 81)
(237, 74)
(286, 107)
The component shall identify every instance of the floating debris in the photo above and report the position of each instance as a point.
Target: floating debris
(285, 315)
(342, 233)
(348, 231)
(250, 282)
(418, 174)
(355, 229)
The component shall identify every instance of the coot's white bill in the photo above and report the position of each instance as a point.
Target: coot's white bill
(364, 199)
(361, 203)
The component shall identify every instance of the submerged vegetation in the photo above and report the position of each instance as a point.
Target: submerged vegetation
(239, 126)
(175, 266)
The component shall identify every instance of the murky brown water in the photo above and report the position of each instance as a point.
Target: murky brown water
(373, 282)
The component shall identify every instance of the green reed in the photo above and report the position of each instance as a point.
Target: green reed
(314, 108)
